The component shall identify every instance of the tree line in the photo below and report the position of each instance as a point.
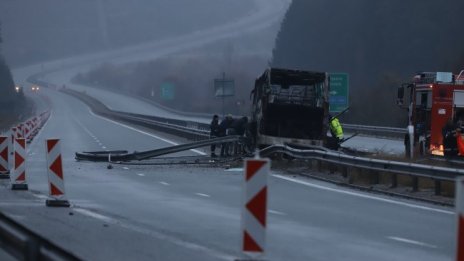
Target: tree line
(12, 100)
(381, 44)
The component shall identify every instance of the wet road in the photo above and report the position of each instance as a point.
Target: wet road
(193, 213)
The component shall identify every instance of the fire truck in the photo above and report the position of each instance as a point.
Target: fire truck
(432, 99)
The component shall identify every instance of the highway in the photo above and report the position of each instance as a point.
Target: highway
(142, 212)
(184, 212)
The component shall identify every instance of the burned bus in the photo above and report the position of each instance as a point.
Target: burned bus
(290, 107)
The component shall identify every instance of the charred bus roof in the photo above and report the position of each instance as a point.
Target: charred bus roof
(294, 77)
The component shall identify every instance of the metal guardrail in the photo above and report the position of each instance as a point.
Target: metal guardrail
(376, 130)
(144, 155)
(419, 170)
(23, 244)
(413, 169)
(196, 131)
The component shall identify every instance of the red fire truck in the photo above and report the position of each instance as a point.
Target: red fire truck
(433, 99)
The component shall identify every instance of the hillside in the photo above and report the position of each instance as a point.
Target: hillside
(379, 43)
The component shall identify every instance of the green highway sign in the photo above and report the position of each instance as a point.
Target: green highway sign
(224, 87)
(167, 91)
(338, 92)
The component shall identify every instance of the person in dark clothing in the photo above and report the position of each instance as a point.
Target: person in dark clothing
(223, 128)
(238, 127)
(449, 139)
(213, 133)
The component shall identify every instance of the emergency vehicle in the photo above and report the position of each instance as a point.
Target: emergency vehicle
(432, 99)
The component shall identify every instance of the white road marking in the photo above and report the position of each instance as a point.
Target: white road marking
(203, 195)
(164, 183)
(40, 196)
(413, 242)
(141, 174)
(94, 215)
(276, 212)
(143, 132)
(126, 168)
(103, 147)
(234, 169)
(363, 195)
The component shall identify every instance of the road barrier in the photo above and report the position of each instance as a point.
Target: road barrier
(255, 206)
(18, 177)
(4, 156)
(55, 174)
(23, 244)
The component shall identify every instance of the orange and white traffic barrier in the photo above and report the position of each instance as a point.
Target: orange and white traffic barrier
(12, 138)
(55, 174)
(459, 202)
(18, 176)
(4, 155)
(255, 206)
(19, 131)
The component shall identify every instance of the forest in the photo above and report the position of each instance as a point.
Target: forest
(380, 44)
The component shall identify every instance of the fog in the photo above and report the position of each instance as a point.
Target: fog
(36, 31)
(379, 43)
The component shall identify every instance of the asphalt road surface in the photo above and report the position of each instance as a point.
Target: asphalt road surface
(193, 213)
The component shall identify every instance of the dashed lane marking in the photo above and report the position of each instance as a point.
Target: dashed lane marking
(164, 183)
(126, 168)
(141, 174)
(275, 212)
(40, 196)
(203, 195)
(234, 169)
(412, 242)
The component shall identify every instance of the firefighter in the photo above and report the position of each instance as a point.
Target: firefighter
(450, 135)
(214, 132)
(224, 130)
(336, 129)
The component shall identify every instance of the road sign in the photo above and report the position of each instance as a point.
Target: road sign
(224, 87)
(339, 90)
(167, 91)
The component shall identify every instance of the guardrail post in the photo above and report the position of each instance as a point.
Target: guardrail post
(332, 168)
(344, 171)
(374, 177)
(437, 188)
(351, 175)
(394, 180)
(415, 184)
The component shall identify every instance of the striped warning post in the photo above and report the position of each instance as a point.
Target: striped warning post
(18, 176)
(4, 165)
(55, 174)
(255, 206)
(19, 131)
(460, 218)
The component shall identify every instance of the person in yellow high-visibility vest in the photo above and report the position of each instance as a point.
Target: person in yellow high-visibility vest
(336, 128)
